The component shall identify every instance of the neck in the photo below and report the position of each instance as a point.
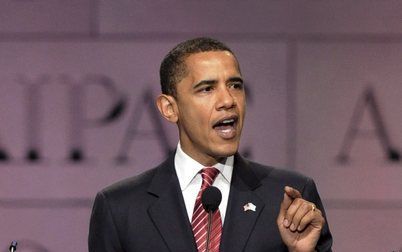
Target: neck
(204, 159)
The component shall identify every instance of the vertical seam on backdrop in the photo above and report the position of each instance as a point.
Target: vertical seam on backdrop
(94, 18)
(291, 108)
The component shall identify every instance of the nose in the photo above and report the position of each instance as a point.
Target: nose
(225, 99)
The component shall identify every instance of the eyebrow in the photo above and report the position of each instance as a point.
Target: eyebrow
(213, 82)
(205, 82)
(236, 79)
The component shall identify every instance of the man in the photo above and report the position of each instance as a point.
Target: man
(262, 208)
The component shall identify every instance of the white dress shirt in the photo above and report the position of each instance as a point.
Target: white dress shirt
(187, 170)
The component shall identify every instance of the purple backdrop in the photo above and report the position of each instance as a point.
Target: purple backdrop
(78, 80)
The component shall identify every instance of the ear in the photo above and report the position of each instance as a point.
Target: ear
(167, 107)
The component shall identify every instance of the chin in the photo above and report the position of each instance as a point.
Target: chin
(226, 151)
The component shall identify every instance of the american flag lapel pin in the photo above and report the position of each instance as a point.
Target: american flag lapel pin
(249, 207)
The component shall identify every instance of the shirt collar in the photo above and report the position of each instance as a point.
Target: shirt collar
(187, 168)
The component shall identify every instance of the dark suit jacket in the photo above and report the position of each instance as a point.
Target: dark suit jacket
(147, 212)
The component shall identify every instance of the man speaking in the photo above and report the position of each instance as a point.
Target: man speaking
(261, 208)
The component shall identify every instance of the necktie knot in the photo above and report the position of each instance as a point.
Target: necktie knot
(208, 175)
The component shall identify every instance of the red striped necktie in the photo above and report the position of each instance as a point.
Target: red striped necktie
(199, 220)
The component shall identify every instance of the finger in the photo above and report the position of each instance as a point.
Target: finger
(292, 210)
(289, 195)
(313, 218)
(284, 207)
(292, 192)
(286, 202)
(288, 198)
(304, 208)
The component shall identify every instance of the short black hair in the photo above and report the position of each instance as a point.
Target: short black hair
(173, 68)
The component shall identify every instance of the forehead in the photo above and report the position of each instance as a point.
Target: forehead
(211, 60)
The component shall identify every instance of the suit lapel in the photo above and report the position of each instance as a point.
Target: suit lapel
(239, 223)
(168, 212)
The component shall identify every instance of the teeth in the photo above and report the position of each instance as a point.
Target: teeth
(228, 121)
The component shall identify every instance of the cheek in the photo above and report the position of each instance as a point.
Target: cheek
(201, 111)
(193, 119)
(196, 116)
(242, 105)
(241, 98)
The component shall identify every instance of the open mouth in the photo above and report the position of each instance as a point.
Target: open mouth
(226, 127)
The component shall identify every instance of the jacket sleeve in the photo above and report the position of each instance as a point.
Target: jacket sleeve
(310, 193)
(103, 235)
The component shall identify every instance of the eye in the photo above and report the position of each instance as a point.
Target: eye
(236, 85)
(205, 89)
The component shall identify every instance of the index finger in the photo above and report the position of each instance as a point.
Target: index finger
(292, 192)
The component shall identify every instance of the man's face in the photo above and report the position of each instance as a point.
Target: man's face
(210, 106)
